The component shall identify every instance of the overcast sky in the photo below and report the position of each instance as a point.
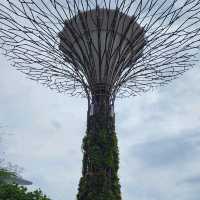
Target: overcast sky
(159, 137)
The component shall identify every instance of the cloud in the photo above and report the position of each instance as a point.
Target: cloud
(163, 152)
(56, 124)
(194, 180)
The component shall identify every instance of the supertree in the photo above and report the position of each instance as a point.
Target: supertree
(101, 50)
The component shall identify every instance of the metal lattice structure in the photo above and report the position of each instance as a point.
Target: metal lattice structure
(166, 32)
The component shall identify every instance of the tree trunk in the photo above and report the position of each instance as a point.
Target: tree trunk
(99, 179)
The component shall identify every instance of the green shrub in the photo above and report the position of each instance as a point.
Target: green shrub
(16, 192)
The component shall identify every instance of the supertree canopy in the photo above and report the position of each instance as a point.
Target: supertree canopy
(101, 49)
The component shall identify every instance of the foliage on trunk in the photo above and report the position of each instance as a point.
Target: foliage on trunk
(100, 167)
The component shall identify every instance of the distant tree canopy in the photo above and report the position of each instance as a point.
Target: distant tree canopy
(5, 175)
(16, 192)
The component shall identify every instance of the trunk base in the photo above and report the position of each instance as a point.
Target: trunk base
(99, 179)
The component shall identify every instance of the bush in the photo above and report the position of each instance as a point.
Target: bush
(16, 192)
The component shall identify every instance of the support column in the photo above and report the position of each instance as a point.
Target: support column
(99, 179)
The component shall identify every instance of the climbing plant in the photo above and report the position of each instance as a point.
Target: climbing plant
(100, 167)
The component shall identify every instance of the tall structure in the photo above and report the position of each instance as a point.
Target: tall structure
(101, 50)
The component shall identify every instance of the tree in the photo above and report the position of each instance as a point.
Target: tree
(6, 175)
(16, 192)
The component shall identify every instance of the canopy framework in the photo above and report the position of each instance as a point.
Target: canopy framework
(29, 34)
(99, 43)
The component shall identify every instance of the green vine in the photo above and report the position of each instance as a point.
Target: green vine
(100, 167)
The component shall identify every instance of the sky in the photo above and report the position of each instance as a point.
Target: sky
(158, 133)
